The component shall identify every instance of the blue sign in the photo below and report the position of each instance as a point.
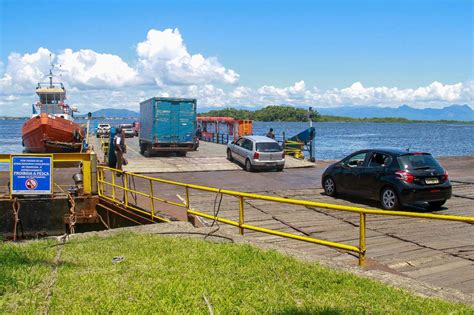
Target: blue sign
(31, 175)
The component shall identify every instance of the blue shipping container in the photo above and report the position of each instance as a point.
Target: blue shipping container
(168, 124)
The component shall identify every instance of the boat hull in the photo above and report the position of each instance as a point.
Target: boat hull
(50, 134)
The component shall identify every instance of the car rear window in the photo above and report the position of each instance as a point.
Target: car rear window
(268, 147)
(127, 126)
(417, 161)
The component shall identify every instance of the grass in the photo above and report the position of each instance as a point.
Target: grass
(171, 275)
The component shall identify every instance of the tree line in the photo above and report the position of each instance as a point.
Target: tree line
(290, 113)
(269, 113)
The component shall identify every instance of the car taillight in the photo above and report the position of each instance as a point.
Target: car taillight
(256, 155)
(445, 176)
(405, 176)
(283, 155)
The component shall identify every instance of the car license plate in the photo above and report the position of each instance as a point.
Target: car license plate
(269, 164)
(431, 181)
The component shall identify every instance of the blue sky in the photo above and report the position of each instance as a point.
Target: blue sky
(327, 44)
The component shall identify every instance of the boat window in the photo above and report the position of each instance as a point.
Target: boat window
(268, 147)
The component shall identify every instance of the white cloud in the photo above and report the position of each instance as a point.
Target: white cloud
(23, 72)
(87, 69)
(164, 58)
(164, 67)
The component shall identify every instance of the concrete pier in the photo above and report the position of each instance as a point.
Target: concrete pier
(208, 157)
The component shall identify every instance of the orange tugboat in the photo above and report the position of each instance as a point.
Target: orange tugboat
(51, 127)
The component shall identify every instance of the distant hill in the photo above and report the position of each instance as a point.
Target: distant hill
(453, 112)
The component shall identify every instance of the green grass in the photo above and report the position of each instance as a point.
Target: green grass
(171, 275)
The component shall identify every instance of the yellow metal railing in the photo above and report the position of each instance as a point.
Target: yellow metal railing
(64, 160)
(360, 249)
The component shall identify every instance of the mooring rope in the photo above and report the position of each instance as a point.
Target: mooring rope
(16, 210)
(72, 210)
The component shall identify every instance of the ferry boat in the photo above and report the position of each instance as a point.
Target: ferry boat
(51, 127)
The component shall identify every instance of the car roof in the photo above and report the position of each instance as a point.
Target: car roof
(393, 151)
(260, 139)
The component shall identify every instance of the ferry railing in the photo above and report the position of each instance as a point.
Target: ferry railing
(360, 250)
(65, 160)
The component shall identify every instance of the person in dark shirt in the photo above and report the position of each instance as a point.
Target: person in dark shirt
(120, 149)
(199, 132)
(270, 134)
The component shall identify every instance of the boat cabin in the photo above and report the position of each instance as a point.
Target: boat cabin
(51, 100)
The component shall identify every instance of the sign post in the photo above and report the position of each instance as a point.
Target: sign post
(31, 175)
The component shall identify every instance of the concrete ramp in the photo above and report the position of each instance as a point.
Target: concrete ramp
(209, 157)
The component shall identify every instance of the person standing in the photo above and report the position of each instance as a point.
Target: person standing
(270, 134)
(120, 148)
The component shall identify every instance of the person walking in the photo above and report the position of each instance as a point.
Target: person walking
(120, 149)
(270, 134)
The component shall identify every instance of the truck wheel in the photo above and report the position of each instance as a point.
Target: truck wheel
(181, 153)
(148, 151)
(142, 149)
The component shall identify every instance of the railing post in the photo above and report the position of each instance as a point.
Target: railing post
(125, 187)
(362, 248)
(187, 198)
(113, 184)
(241, 215)
(152, 200)
(99, 181)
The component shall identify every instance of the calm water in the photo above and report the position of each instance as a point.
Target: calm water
(333, 140)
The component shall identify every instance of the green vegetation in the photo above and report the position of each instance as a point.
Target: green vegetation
(172, 275)
(269, 113)
(289, 113)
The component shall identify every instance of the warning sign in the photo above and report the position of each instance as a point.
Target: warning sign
(31, 175)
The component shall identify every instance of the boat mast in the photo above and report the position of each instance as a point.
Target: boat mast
(51, 72)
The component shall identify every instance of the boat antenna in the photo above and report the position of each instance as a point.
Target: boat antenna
(51, 75)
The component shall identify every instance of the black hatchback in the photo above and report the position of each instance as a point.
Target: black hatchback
(394, 177)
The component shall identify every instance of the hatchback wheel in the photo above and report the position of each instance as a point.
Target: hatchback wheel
(229, 155)
(389, 199)
(435, 205)
(330, 186)
(248, 166)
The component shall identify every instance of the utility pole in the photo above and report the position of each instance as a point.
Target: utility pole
(311, 143)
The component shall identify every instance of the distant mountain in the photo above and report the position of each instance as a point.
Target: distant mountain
(452, 112)
(113, 112)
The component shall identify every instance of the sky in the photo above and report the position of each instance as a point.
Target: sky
(239, 53)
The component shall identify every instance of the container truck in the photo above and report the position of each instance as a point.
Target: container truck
(168, 125)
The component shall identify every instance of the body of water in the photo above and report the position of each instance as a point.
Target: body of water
(333, 140)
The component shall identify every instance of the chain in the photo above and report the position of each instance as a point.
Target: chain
(72, 215)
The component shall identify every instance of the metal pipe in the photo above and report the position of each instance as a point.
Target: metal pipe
(241, 214)
(152, 200)
(284, 234)
(362, 247)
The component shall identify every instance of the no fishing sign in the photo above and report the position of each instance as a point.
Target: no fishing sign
(31, 175)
